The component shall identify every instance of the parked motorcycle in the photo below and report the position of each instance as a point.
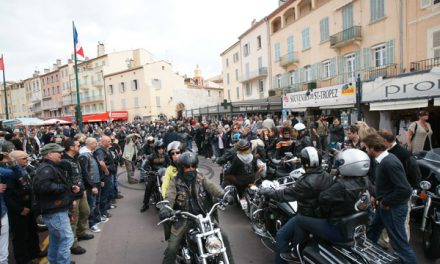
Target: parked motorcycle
(428, 199)
(356, 250)
(204, 243)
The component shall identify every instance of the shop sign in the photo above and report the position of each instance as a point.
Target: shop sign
(333, 95)
(426, 85)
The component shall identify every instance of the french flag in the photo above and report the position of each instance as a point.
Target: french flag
(78, 48)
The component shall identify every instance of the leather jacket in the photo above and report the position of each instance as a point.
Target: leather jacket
(196, 198)
(156, 161)
(306, 191)
(73, 169)
(304, 141)
(52, 188)
(339, 199)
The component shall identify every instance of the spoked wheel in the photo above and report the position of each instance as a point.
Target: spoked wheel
(257, 220)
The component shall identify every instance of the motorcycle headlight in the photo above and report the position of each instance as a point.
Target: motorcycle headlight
(425, 185)
(437, 190)
(213, 244)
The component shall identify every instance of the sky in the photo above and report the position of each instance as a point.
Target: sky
(33, 34)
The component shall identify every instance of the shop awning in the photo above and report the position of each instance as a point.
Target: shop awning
(437, 101)
(297, 110)
(119, 115)
(103, 117)
(398, 105)
(337, 106)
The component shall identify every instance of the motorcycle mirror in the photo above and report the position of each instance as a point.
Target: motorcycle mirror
(425, 185)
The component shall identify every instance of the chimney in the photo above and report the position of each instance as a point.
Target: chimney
(253, 22)
(58, 62)
(36, 73)
(46, 70)
(101, 49)
(55, 66)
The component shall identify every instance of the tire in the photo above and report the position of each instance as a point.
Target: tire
(257, 221)
(431, 240)
(157, 197)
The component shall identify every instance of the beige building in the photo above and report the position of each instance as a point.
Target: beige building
(19, 102)
(34, 96)
(232, 72)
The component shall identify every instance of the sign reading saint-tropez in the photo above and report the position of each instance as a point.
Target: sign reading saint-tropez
(426, 85)
(328, 96)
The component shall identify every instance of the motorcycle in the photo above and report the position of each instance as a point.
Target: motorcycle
(428, 200)
(356, 250)
(156, 191)
(202, 244)
(268, 216)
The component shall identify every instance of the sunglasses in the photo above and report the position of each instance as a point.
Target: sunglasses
(175, 153)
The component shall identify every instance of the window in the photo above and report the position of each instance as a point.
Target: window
(278, 80)
(260, 63)
(227, 62)
(425, 3)
(110, 89)
(158, 101)
(436, 43)
(350, 66)
(292, 77)
(238, 92)
(246, 50)
(377, 9)
(235, 57)
(123, 104)
(134, 85)
(121, 87)
(308, 72)
(305, 39)
(261, 86)
(112, 105)
(163, 68)
(229, 95)
(326, 69)
(94, 108)
(259, 42)
(277, 51)
(248, 89)
(136, 102)
(324, 29)
(236, 74)
(379, 53)
(227, 78)
(156, 83)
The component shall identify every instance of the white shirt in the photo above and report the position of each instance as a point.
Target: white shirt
(382, 156)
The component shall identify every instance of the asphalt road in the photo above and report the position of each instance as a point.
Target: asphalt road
(132, 237)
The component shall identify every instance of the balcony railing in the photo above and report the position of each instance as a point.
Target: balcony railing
(289, 59)
(52, 106)
(92, 98)
(424, 65)
(261, 72)
(345, 37)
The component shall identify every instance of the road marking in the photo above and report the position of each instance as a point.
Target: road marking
(43, 248)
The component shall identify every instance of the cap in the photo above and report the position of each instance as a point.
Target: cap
(51, 147)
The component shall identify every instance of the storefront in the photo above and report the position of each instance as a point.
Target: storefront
(338, 101)
(394, 103)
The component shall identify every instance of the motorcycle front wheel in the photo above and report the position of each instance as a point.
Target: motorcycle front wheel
(257, 220)
(431, 240)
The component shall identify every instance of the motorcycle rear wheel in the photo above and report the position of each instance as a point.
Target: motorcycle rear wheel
(431, 240)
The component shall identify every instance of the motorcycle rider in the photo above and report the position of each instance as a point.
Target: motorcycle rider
(192, 192)
(146, 150)
(302, 139)
(305, 191)
(157, 162)
(284, 144)
(174, 150)
(337, 201)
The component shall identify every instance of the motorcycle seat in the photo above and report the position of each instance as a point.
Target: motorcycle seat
(348, 224)
(280, 174)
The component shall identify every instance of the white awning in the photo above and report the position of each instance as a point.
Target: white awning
(337, 106)
(297, 109)
(437, 101)
(398, 105)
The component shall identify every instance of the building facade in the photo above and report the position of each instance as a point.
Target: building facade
(232, 72)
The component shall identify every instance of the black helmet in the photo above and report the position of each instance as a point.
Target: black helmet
(243, 145)
(310, 157)
(189, 158)
(158, 144)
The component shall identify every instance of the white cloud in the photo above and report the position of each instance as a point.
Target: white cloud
(187, 32)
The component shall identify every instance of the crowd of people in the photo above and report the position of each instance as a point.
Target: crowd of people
(70, 177)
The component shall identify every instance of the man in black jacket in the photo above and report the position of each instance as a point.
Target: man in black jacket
(53, 195)
(306, 192)
(80, 210)
(392, 192)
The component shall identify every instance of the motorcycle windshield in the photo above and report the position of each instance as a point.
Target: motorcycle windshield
(433, 155)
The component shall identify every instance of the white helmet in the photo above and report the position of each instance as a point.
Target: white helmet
(299, 127)
(353, 162)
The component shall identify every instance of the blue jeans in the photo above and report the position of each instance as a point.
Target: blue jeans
(189, 144)
(105, 193)
(95, 214)
(298, 227)
(113, 193)
(393, 220)
(60, 237)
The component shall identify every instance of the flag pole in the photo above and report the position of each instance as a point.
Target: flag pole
(4, 85)
(78, 102)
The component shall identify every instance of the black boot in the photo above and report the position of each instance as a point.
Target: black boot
(144, 208)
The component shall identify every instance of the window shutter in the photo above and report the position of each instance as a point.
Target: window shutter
(390, 52)
(321, 27)
(297, 77)
(333, 67)
(436, 39)
(367, 58)
(290, 45)
(373, 10)
(316, 71)
(341, 69)
(357, 64)
(425, 3)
